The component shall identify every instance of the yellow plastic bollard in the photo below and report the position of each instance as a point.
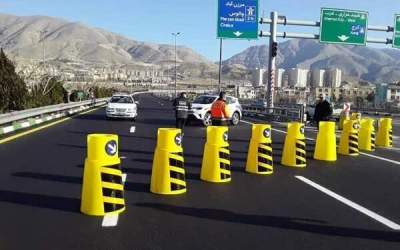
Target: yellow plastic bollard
(294, 151)
(102, 190)
(349, 138)
(366, 135)
(356, 117)
(216, 158)
(385, 133)
(325, 148)
(343, 117)
(168, 173)
(259, 156)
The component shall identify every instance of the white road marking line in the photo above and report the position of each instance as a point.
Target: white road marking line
(124, 178)
(132, 130)
(110, 220)
(349, 203)
(381, 158)
(123, 157)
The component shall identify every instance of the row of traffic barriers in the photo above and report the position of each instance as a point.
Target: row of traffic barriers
(103, 187)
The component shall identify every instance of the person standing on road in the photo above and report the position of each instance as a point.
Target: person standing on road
(182, 107)
(219, 111)
(323, 110)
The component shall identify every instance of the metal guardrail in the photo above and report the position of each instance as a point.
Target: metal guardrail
(281, 114)
(25, 114)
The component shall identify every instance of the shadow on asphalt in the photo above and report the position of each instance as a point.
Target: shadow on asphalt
(129, 186)
(299, 224)
(42, 201)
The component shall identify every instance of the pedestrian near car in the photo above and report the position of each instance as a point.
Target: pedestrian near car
(182, 107)
(219, 111)
(323, 110)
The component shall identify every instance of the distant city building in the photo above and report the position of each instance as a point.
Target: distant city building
(317, 78)
(333, 78)
(345, 93)
(381, 93)
(393, 93)
(259, 77)
(298, 77)
(279, 78)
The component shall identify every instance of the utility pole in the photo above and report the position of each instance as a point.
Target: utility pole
(220, 66)
(176, 85)
(272, 60)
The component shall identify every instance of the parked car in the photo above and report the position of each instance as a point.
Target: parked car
(122, 106)
(201, 109)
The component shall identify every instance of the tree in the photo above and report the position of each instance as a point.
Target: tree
(12, 88)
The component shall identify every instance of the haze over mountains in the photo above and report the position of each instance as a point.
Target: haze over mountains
(371, 64)
(21, 38)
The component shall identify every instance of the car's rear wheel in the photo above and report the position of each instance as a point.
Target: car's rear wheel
(235, 119)
(207, 119)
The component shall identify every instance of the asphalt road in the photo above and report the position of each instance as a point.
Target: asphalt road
(41, 178)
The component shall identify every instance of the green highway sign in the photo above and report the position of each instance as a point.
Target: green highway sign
(396, 32)
(343, 26)
(238, 19)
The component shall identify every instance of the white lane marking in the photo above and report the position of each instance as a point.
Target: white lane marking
(123, 157)
(381, 158)
(132, 130)
(124, 178)
(351, 204)
(110, 220)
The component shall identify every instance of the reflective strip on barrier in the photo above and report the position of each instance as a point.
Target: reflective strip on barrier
(177, 171)
(373, 138)
(265, 163)
(224, 164)
(301, 152)
(353, 144)
(112, 187)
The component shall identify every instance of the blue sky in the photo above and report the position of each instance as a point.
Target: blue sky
(155, 20)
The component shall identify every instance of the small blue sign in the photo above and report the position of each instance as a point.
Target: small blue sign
(111, 148)
(238, 19)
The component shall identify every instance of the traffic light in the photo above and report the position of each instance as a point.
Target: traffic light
(274, 49)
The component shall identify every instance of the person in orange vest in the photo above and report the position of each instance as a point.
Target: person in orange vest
(219, 111)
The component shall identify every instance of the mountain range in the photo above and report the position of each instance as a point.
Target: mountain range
(23, 38)
(369, 64)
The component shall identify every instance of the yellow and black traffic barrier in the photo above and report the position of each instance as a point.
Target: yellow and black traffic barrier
(103, 189)
(356, 117)
(349, 138)
(366, 135)
(325, 148)
(216, 166)
(385, 133)
(294, 150)
(259, 156)
(168, 173)
(344, 116)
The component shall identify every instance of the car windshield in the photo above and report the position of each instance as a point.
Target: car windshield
(121, 99)
(204, 100)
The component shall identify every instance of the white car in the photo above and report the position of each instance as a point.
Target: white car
(201, 109)
(122, 106)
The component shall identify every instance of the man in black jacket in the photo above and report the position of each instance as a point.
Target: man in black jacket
(182, 107)
(323, 110)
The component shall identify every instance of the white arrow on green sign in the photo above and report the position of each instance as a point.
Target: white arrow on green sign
(343, 26)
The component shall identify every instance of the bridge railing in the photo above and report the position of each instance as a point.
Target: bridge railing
(280, 114)
(68, 108)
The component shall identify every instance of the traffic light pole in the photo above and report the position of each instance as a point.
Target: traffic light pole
(272, 60)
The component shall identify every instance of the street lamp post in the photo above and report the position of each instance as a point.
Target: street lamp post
(176, 85)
